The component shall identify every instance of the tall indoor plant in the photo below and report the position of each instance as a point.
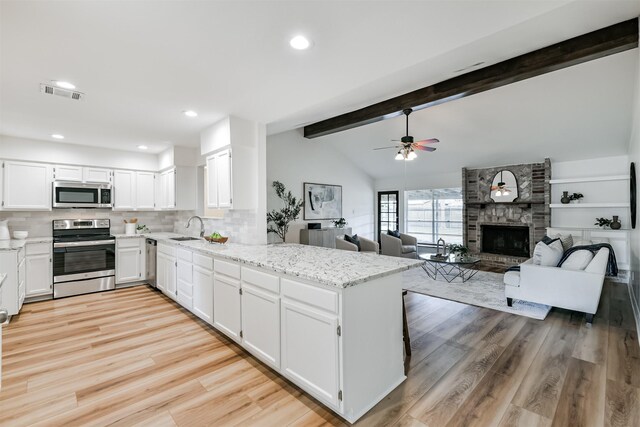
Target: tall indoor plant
(283, 217)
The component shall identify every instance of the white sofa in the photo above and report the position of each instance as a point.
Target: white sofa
(571, 289)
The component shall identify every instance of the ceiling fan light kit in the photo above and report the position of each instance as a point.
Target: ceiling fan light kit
(407, 147)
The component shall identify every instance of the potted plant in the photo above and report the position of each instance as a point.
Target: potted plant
(340, 223)
(603, 222)
(460, 251)
(281, 219)
(575, 197)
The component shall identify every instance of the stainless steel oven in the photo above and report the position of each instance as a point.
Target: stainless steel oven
(79, 195)
(84, 257)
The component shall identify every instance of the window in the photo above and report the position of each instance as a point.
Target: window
(434, 214)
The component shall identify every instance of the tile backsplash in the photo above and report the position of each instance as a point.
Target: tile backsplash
(238, 225)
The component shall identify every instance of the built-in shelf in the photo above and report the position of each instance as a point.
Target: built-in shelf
(588, 205)
(503, 203)
(559, 227)
(590, 179)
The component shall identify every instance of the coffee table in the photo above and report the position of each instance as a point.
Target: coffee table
(450, 267)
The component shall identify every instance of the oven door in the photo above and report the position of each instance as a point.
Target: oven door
(83, 260)
(76, 195)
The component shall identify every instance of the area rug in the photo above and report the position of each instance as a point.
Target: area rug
(485, 289)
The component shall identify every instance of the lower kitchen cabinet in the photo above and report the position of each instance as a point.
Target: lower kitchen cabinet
(130, 260)
(203, 287)
(166, 270)
(38, 270)
(185, 279)
(12, 263)
(226, 299)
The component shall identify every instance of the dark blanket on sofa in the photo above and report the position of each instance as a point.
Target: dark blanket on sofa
(612, 265)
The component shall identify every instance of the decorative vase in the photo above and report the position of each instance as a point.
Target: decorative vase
(4, 230)
(615, 224)
(565, 198)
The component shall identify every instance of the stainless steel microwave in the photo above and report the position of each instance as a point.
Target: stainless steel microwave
(79, 195)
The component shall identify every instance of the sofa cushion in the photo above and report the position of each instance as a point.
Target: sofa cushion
(579, 260)
(353, 239)
(565, 239)
(512, 278)
(394, 233)
(407, 249)
(548, 255)
(599, 262)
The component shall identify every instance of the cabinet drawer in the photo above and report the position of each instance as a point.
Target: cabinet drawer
(133, 242)
(266, 281)
(227, 268)
(38, 248)
(185, 255)
(167, 249)
(203, 261)
(310, 295)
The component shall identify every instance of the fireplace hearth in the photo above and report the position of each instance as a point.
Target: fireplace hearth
(505, 240)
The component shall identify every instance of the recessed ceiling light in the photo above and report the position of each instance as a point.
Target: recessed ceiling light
(57, 136)
(190, 113)
(300, 43)
(142, 147)
(65, 85)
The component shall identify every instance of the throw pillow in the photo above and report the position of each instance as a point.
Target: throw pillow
(548, 240)
(548, 255)
(579, 260)
(394, 233)
(353, 239)
(566, 239)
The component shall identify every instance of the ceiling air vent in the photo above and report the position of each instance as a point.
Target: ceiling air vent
(48, 89)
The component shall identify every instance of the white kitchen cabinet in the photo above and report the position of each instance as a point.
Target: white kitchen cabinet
(312, 362)
(203, 293)
(226, 299)
(38, 270)
(27, 186)
(124, 187)
(96, 175)
(168, 180)
(67, 173)
(219, 185)
(12, 262)
(145, 190)
(177, 189)
(184, 276)
(130, 260)
(166, 270)
(261, 315)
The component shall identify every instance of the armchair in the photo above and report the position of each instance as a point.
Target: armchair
(366, 245)
(406, 246)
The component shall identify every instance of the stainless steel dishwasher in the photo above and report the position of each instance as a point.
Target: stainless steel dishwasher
(152, 247)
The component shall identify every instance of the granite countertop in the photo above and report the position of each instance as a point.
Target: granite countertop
(331, 267)
(14, 244)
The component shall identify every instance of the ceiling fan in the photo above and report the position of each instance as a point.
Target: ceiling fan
(502, 188)
(407, 147)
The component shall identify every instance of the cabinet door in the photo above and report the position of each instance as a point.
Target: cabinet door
(27, 186)
(184, 283)
(310, 349)
(223, 178)
(96, 175)
(67, 173)
(38, 275)
(171, 272)
(124, 189)
(145, 190)
(226, 306)
(170, 189)
(128, 264)
(203, 293)
(212, 183)
(261, 324)
(161, 272)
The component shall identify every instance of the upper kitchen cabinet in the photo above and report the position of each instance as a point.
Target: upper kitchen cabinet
(26, 186)
(176, 188)
(81, 174)
(145, 190)
(124, 183)
(232, 175)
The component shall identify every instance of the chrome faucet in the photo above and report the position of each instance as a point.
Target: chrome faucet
(201, 224)
(444, 247)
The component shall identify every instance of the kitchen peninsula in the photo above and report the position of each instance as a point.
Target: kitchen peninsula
(327, 320)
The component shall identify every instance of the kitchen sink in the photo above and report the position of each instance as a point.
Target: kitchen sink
(184, 239)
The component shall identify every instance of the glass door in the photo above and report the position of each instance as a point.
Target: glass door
(387, 212)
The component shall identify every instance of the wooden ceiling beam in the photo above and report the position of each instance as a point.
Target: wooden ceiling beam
(587, 47)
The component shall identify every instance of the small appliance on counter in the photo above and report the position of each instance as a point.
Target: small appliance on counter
(84, 257)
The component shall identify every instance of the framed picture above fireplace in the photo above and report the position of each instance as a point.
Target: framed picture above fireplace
(504, 187)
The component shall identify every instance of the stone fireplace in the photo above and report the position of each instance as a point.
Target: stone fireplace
(504, 234)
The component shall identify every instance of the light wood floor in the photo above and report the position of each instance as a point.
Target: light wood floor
(133, 357)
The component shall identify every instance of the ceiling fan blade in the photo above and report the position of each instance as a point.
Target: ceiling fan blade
(420, 147)
(385, 148)
(427, 141)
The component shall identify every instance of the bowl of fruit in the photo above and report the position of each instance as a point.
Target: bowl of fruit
(216, 238)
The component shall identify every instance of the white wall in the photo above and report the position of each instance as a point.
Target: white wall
(293, 160)
(55, 152)
(594, 192)
(423, 182)
(634, 156)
